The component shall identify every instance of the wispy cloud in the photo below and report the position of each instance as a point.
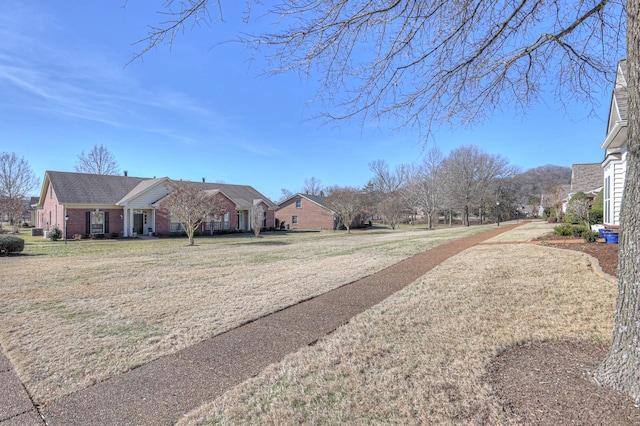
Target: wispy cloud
(42, 73)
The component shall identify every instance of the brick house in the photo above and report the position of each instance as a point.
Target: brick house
(305, 211)
(124, 205)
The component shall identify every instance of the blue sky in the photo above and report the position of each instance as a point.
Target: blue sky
(193, 110)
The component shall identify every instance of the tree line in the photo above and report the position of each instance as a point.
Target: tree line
(467, 183)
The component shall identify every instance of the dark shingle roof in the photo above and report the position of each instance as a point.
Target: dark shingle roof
(321, 201)
(84, 188)
(241, 195)
(317, 199)
(621, 93)
(586, 177)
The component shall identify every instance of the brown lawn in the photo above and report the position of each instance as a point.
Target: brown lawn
(75, 314)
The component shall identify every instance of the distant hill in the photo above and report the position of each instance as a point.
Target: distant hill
(536, 181)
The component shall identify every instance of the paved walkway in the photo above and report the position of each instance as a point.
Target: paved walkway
(162, 391)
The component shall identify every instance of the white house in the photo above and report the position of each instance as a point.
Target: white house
(615, 145)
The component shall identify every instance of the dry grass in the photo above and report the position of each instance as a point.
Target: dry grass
(527, 232)
(75, 314)
(420, 356)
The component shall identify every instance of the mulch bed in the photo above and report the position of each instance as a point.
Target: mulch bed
(550, 383)
(607, 254)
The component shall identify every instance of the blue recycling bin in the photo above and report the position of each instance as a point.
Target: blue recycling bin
(611, 237)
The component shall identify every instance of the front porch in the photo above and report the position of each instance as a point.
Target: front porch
(138, 222)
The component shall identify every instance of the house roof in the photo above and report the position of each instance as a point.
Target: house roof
(586, 178)
(321, 201)
(620, 92)
(243, 196)
(84, 188)
(619, 110)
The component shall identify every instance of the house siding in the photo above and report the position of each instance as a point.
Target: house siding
(615, 168)
(310, 215)
(148, 197)
(52, 213)
(616, 147)
(620, 170)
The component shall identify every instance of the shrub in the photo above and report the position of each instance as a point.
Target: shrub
(590, 237)
(54, 234)
(564, 230)
(10, 244)
(578, 208)
(578, 230)
(596, 214)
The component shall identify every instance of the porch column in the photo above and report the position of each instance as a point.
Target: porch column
(125, 223)
(153, 220)
(130, 228)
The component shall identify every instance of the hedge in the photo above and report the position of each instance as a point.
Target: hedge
(10, 244)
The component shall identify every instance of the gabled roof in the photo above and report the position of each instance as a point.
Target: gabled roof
(143, 186)
(586, 177)
(85, 188)
(620, 91)
(321, 201)
(243, 196)
(618, 112)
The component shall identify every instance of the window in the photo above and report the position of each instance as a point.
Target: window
(607, 200)
(294, 220)
(219, 222)
(97, 222)
(177, 227)
(264, 220)
(299, 203)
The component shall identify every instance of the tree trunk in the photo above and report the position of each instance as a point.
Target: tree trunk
(621, 368)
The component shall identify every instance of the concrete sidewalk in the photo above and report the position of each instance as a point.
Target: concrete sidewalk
(162, 391)
(16, 407)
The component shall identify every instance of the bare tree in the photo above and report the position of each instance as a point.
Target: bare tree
(425, 187)
(192, 205)
(555, 196)
(429, 62)
(17, 180)
(347, 203)
(391, 208)
(312, 186)
(256, 218)
(468, 176)
(385, 180)
(99, 161)
(285, 193)
(578, 208)
(385, 188)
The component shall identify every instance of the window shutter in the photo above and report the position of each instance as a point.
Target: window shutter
(87, 227)
(106, 222)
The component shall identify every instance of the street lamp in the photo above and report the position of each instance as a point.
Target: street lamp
(66, 218)
(498, 212)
